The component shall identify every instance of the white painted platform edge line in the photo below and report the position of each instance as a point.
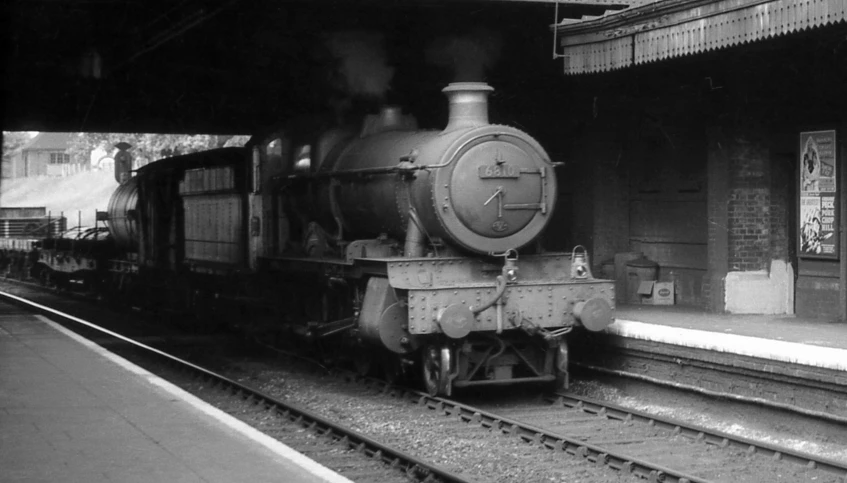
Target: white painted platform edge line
(230, 421)
(777, 350)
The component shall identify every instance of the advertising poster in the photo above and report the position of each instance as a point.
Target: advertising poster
(818, 189)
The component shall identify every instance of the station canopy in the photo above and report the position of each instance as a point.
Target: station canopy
(643, 31)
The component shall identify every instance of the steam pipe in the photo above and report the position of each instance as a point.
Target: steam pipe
(501, 288)
(499, 315)
(415, 242)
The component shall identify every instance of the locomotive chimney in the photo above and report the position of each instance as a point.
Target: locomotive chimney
(468, 104)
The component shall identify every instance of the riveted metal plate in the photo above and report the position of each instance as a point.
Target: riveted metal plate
(547, 305)
(416, 273)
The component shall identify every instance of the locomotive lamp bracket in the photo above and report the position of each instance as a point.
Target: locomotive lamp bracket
(510, 266)
(580, 267)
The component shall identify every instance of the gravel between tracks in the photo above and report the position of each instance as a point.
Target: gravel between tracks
(466, 450)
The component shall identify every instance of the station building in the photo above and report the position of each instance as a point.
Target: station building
(46, 154)
(714, 135)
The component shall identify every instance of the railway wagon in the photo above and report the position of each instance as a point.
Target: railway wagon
(20, 229)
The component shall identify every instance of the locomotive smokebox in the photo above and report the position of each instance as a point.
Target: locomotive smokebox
(468, 104)
(123, 215)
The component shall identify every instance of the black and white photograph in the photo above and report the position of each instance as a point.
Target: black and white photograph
(378, 241)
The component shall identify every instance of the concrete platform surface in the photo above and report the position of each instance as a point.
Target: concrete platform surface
(777, 337)
(72, 412)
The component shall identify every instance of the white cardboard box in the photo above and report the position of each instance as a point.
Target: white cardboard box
(656, 293)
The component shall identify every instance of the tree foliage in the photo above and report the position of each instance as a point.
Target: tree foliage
(147, 147)
(13, 141)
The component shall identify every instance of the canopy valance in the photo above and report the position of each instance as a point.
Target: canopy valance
(665, 29)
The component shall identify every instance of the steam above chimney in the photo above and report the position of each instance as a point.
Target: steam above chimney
(468, 104)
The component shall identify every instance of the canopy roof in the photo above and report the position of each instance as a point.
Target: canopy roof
(48, 141)
(650, 31)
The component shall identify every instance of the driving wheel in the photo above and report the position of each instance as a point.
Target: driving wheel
(436, 370)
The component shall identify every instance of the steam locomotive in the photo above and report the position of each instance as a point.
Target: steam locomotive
(397, 247)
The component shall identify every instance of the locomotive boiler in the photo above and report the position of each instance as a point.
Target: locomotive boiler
(397, 249)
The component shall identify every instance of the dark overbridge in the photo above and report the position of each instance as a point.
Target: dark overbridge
(234, 65)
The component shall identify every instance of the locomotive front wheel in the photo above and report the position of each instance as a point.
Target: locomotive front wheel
(431, 364)
(436, 370)
(561, 367)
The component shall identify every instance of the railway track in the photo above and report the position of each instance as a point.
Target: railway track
(631, 442)
(623, 438)
(562, 435)
(808, 391)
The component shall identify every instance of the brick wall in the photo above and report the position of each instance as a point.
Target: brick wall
(782, 179)
(749, 206)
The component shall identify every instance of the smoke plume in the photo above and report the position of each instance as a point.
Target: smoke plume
(362, 63)
(469, 55)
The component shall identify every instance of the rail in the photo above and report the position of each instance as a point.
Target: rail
(718, 438)
(415, 468)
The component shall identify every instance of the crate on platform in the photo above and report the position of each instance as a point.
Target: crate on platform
(656, 293)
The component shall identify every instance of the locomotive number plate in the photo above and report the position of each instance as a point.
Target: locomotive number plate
(499, 171)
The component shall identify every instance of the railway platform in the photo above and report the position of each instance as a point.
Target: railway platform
(71, 411)
(786, 361)
(783, 337)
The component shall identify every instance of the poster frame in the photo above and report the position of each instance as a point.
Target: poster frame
(834, 238)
